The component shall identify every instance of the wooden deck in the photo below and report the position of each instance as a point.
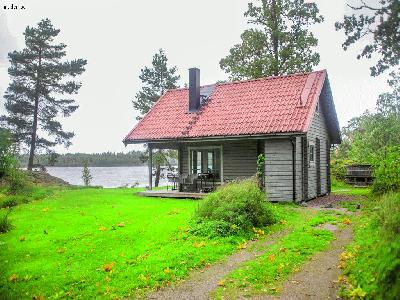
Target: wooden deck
(172, 194)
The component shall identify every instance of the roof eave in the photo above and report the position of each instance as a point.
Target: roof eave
(215, 138)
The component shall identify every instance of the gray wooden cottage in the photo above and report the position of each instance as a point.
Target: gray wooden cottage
(220, 130)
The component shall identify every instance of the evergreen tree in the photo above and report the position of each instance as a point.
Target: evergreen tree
(280, 42)
(86, 175)
(380, 22)
(156, 80)
(35, 97)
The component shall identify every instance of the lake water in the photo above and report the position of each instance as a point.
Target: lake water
(107, 177)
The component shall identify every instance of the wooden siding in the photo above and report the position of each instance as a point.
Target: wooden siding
(318, 129)
(279, 169)
(239, 159)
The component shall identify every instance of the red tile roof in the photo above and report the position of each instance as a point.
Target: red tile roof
(282, 104)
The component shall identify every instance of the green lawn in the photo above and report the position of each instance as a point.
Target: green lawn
(107, 243)
(341, 188)
(62, 246)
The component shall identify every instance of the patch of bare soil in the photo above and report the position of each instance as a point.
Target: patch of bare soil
(316, 279)
(331, 201)
(201, 282)
(41, 177)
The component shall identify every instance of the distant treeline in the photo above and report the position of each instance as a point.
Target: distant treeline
(106, 159)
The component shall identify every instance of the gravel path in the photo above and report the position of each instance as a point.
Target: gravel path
(316, 278)
(200, 283)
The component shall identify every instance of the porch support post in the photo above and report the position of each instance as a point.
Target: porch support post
(150, 167)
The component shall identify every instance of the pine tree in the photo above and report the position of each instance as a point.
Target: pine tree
(280, 42)
(36, 97)
(86, 175)
(156, 80)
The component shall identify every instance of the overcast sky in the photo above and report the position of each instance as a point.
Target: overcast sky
(118, 38)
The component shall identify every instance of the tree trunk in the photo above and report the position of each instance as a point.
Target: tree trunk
(157, 177)
(35, 117)
(158, 169)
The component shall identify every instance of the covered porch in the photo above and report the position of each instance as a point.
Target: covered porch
(199, 170)
(203, 165)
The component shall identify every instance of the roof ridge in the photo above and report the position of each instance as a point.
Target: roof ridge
(252, 80)
(271, 77)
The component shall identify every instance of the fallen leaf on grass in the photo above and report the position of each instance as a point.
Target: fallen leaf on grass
(340, 279)
(199, 245)
(107, 290)
(40, 297)
(358, 293)
(122, 224)
(102, 228)
(22, 238)
(283, 222)
(13, 278)
(258, 231)
(280, 267)
(242, 246)
(221, 282)
(282, 249)
(347, 221)
(108, 267)
(167, 270)
(271, 258)
(60, 250)
(45, 209)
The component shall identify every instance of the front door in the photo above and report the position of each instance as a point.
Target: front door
(318, 165)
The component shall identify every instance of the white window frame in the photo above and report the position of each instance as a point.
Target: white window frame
(196, 148)
(311, 163)
(317, 108)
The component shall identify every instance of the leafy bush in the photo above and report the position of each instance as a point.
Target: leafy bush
(338, 168)
(18, 182)
(387, 170)
(232, 209)
(7, 159)
(8, 202)
(5, 223)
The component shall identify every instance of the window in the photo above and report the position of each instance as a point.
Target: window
(205, 160)
(311, 154)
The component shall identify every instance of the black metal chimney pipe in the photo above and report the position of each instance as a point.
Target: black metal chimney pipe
(194, 89)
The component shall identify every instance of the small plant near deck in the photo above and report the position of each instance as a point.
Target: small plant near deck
(260, 170)
(86, 175)
(233, 209)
